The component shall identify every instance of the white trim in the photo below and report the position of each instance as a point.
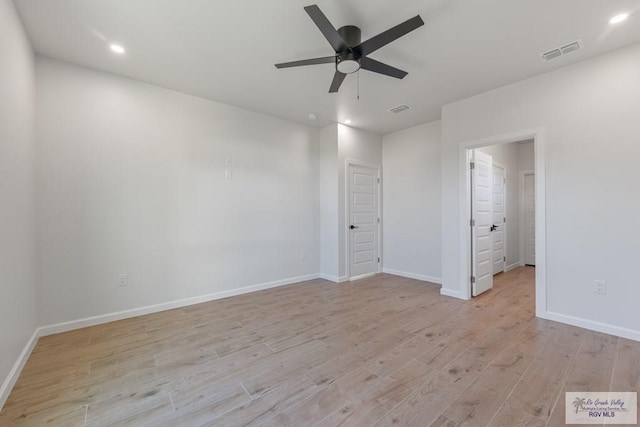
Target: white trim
(424, 278)
(541, 222)
(362, 276)
(512, 266)
(125, 314)
(591, 325)
(539, 137)
(347, 186)
(334, 279)
(11, 379)
(451, 293)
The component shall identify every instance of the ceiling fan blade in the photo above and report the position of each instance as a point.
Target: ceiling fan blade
(381, 68)
(327, 29)
(386, 37)
(314, 61)
(338, 78)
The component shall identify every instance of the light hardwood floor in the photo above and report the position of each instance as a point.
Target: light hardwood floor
(381, 351)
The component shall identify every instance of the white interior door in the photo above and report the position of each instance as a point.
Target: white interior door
(482, 217)
(529, 219)
(363, 221)
(499, 215)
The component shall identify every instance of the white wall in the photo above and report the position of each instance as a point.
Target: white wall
(411, 202)
(589, 112)
(353, 144)
(132, 180)
(526, 157)
(510, 156)
(328, 151)
(17, 194)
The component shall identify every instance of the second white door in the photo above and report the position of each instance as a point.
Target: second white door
(363, 221)
(529, 220)
(499, 216)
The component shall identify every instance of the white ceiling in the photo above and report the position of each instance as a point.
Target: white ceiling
(224, 50)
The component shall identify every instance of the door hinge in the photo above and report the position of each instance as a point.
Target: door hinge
(378, 180)
(504, 219)
(473, 279)
(504, 259)
(378, 260)
(472, 222)
(378, 220)
(504, 180)
(472, 165)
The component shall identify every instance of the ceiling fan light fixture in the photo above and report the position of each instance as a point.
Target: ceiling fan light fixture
(347, 63)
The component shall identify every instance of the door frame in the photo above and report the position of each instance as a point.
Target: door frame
(538, 135)
(347, 203)
(521, 212)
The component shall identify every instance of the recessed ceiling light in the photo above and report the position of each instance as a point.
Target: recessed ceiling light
(312, 116)
(116, 48)
(347, 122)
(618, 18)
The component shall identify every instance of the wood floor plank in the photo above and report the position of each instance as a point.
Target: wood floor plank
(384, 350)
(539, 388)
(201, 406)
(626, 375)
(336, 396)
(374, 403)
(264, 409)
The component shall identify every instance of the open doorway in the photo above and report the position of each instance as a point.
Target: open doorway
(501, 196)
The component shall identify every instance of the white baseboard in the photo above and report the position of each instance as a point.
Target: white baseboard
(11, 379)
(512, 266)
(362, 276)
(592, 325)
(125, 314)
(334, 279)
(451, 293)
(422, 277)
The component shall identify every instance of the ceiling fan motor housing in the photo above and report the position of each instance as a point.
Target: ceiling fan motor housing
(351, 35)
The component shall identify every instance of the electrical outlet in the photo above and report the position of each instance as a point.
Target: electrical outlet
(123, 280)
(601, 287)
(228, 174)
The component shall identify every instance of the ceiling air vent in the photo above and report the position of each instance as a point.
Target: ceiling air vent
(399, 108)
(570, 47)
(563, 50)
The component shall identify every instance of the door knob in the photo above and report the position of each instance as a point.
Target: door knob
(354, 226)
(494, 227)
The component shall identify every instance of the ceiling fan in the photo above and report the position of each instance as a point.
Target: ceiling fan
(351, 52)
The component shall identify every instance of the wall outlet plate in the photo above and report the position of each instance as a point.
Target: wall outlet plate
(601, 287)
